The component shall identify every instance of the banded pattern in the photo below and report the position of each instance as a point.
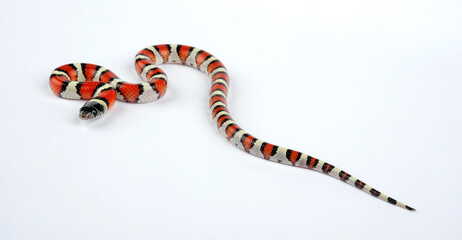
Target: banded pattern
(101, 86)
(146, 62)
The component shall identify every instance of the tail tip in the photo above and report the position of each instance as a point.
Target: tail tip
(410, 208)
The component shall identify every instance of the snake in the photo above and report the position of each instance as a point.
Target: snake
(101, 87)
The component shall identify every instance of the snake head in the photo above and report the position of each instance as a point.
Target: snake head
(91, 110)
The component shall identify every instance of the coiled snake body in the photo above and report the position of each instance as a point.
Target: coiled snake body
(102, 87)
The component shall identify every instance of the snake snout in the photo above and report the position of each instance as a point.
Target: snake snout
(91, 110)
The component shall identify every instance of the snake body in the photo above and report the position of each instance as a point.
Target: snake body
(102, 87)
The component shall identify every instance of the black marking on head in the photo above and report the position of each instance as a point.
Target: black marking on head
(374, 192)
(99, 106)
(92, 107)
(391, 200)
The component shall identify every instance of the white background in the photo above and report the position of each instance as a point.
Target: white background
(373, 87)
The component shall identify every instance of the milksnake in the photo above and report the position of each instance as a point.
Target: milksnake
(102, 87)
